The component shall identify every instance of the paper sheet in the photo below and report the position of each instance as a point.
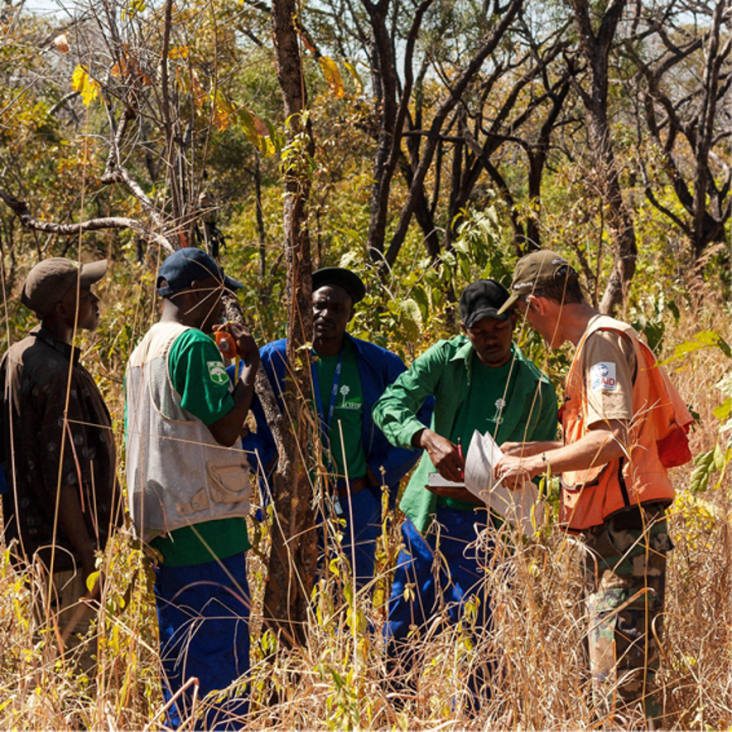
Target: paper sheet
(516, 506)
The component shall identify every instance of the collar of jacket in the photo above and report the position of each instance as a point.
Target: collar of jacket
(67, 351)
(465, 352)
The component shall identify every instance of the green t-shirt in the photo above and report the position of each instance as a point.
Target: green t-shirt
(483, 411)
(348, 411)
(198, 375)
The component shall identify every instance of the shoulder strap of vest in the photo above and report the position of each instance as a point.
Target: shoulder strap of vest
(157, 342)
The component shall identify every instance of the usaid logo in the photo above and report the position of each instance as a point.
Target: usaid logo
(602, 376)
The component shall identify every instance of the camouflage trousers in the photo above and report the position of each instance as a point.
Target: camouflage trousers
(625, 587)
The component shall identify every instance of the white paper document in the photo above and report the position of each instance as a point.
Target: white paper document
(516, 506)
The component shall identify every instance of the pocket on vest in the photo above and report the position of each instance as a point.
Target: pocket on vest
(228, 482)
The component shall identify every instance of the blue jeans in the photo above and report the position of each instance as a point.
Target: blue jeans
(459, 578)
(363, 511)
(459, 575)
(203, 619)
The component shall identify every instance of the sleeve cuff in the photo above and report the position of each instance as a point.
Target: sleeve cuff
(408, 431)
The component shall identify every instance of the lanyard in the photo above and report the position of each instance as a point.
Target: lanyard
(325, 420)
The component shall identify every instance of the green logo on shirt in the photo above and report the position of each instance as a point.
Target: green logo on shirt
(354, 403)
(217, 373)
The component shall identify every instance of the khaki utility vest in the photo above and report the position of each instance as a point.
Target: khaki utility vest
(657, 440)
(177, 474)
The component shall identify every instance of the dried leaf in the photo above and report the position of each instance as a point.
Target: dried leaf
(355, 76)
(306, 42)
(198, 92)
(332, 76)
(61, 43)
(84, 84)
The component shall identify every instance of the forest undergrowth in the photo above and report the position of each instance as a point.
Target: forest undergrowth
(530, 662)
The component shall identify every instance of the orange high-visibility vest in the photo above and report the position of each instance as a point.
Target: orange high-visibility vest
(656, 440)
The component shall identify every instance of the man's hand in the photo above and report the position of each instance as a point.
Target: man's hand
(246, 347)
(514, 471)
(445, 456)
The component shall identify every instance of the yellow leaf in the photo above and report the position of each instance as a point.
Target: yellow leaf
(84, 84)
(332, 76)
(355, 75)
(223, 110)
(91, 580)
(61, 43)
(177, 52)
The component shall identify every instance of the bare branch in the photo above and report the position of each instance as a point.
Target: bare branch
(20, 209)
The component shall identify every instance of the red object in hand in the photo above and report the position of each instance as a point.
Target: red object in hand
(225, 343)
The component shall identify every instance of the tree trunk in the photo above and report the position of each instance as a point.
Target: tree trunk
(293, 561)
(596, 49)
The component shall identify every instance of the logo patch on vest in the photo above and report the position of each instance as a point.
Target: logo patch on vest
(602, 376)
(217, 373)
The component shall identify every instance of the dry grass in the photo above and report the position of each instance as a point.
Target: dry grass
(340, 680)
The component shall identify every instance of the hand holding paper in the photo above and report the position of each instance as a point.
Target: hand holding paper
(520, 506)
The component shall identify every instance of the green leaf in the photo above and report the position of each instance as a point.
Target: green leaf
(411, 319)
(723, 411)
(721, 457)
(699, 481)
(422, 299)
(705, 339)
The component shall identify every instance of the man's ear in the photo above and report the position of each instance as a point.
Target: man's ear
(536, 303)
(66, 306)
(463, 328)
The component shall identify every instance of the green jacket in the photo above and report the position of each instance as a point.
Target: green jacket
(444, 371)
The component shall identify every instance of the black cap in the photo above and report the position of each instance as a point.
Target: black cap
(187, 265)
(340, 277)
(482, 299)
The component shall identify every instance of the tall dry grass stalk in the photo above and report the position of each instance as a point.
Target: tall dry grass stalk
(341, 680)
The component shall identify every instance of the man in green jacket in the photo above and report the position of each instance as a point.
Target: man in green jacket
(480, 381)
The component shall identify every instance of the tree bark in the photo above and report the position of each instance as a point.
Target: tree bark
(444, 109)
(293, 561)
(596, 50)
(391, 109)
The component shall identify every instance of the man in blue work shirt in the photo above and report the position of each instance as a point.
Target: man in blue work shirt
(480, 381)
(348, 376)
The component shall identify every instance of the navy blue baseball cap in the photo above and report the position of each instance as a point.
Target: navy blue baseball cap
(187, 265)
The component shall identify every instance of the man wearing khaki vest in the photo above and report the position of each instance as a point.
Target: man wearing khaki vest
(624, 426)
(188, 489)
